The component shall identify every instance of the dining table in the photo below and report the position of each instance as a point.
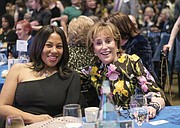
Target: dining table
(2, 79)
(168, 117)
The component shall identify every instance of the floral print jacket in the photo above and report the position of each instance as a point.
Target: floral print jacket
(127, 76)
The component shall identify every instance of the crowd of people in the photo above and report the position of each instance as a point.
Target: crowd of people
(74, 45)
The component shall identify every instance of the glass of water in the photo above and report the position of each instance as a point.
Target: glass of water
(72, 116)
(14, 121)
(138, 106)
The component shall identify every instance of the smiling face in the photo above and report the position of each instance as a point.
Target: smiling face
(5, 23)
(20, 31)
(105, 47)
(52, 51)
(90, 4)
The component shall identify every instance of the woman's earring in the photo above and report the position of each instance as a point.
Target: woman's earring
(117, 51)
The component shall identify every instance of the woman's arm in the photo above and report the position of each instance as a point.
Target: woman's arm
(173, 35)
(7, 97)
(149, 88)
(60, 6)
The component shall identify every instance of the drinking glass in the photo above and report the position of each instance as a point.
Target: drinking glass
(14, 121)
(138, 106)
(72, 116)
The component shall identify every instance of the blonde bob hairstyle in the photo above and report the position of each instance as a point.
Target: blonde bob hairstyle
(106, 29)
(78, 29)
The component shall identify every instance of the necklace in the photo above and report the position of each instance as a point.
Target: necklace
(47, 75)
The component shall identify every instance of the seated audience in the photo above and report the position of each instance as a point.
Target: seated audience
(38, 90)
(8, 36)
(125, 72)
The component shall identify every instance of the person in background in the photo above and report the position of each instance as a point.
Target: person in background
(23, 31)
(20, 10)
(177, 9)
(164, 21)
(10, 8)
(133, 19)
(126, 73)
(40, 15)
(132, 41)
(27, 16)
(38, 90)
(89, 7)
(2, 7)
(173, 35)
(79, 56)
(56, 8)
(77, 35)
(149, 18)
(70, 12)
(8, 36)
(129, 7)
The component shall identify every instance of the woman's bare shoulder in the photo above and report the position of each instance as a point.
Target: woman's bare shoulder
(21, 66)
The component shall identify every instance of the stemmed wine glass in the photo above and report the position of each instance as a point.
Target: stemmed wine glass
(14, 121)
(138, 106)
(72, 116)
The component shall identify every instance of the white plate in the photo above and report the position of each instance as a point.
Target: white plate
(55, 122)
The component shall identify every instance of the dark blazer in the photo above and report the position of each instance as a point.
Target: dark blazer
(139, 45)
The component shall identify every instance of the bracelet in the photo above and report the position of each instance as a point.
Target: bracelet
(155, 105)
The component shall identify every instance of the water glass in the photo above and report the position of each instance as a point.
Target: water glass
(72, 116)
(138, 106)
(14, 121)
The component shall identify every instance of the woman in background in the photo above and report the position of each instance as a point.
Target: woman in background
(23, 31)
(79, 56)
(8, 36)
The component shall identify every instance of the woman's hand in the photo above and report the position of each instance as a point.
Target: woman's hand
(39, 118)
(151, 112)
(167, 47)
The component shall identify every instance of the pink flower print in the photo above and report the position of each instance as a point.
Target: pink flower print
(143, 82)
(86, 72)
(148, 75)
(112, 73)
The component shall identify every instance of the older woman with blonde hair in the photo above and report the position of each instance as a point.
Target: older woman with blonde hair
(79, 56)
(126, 73)
(77, 35)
